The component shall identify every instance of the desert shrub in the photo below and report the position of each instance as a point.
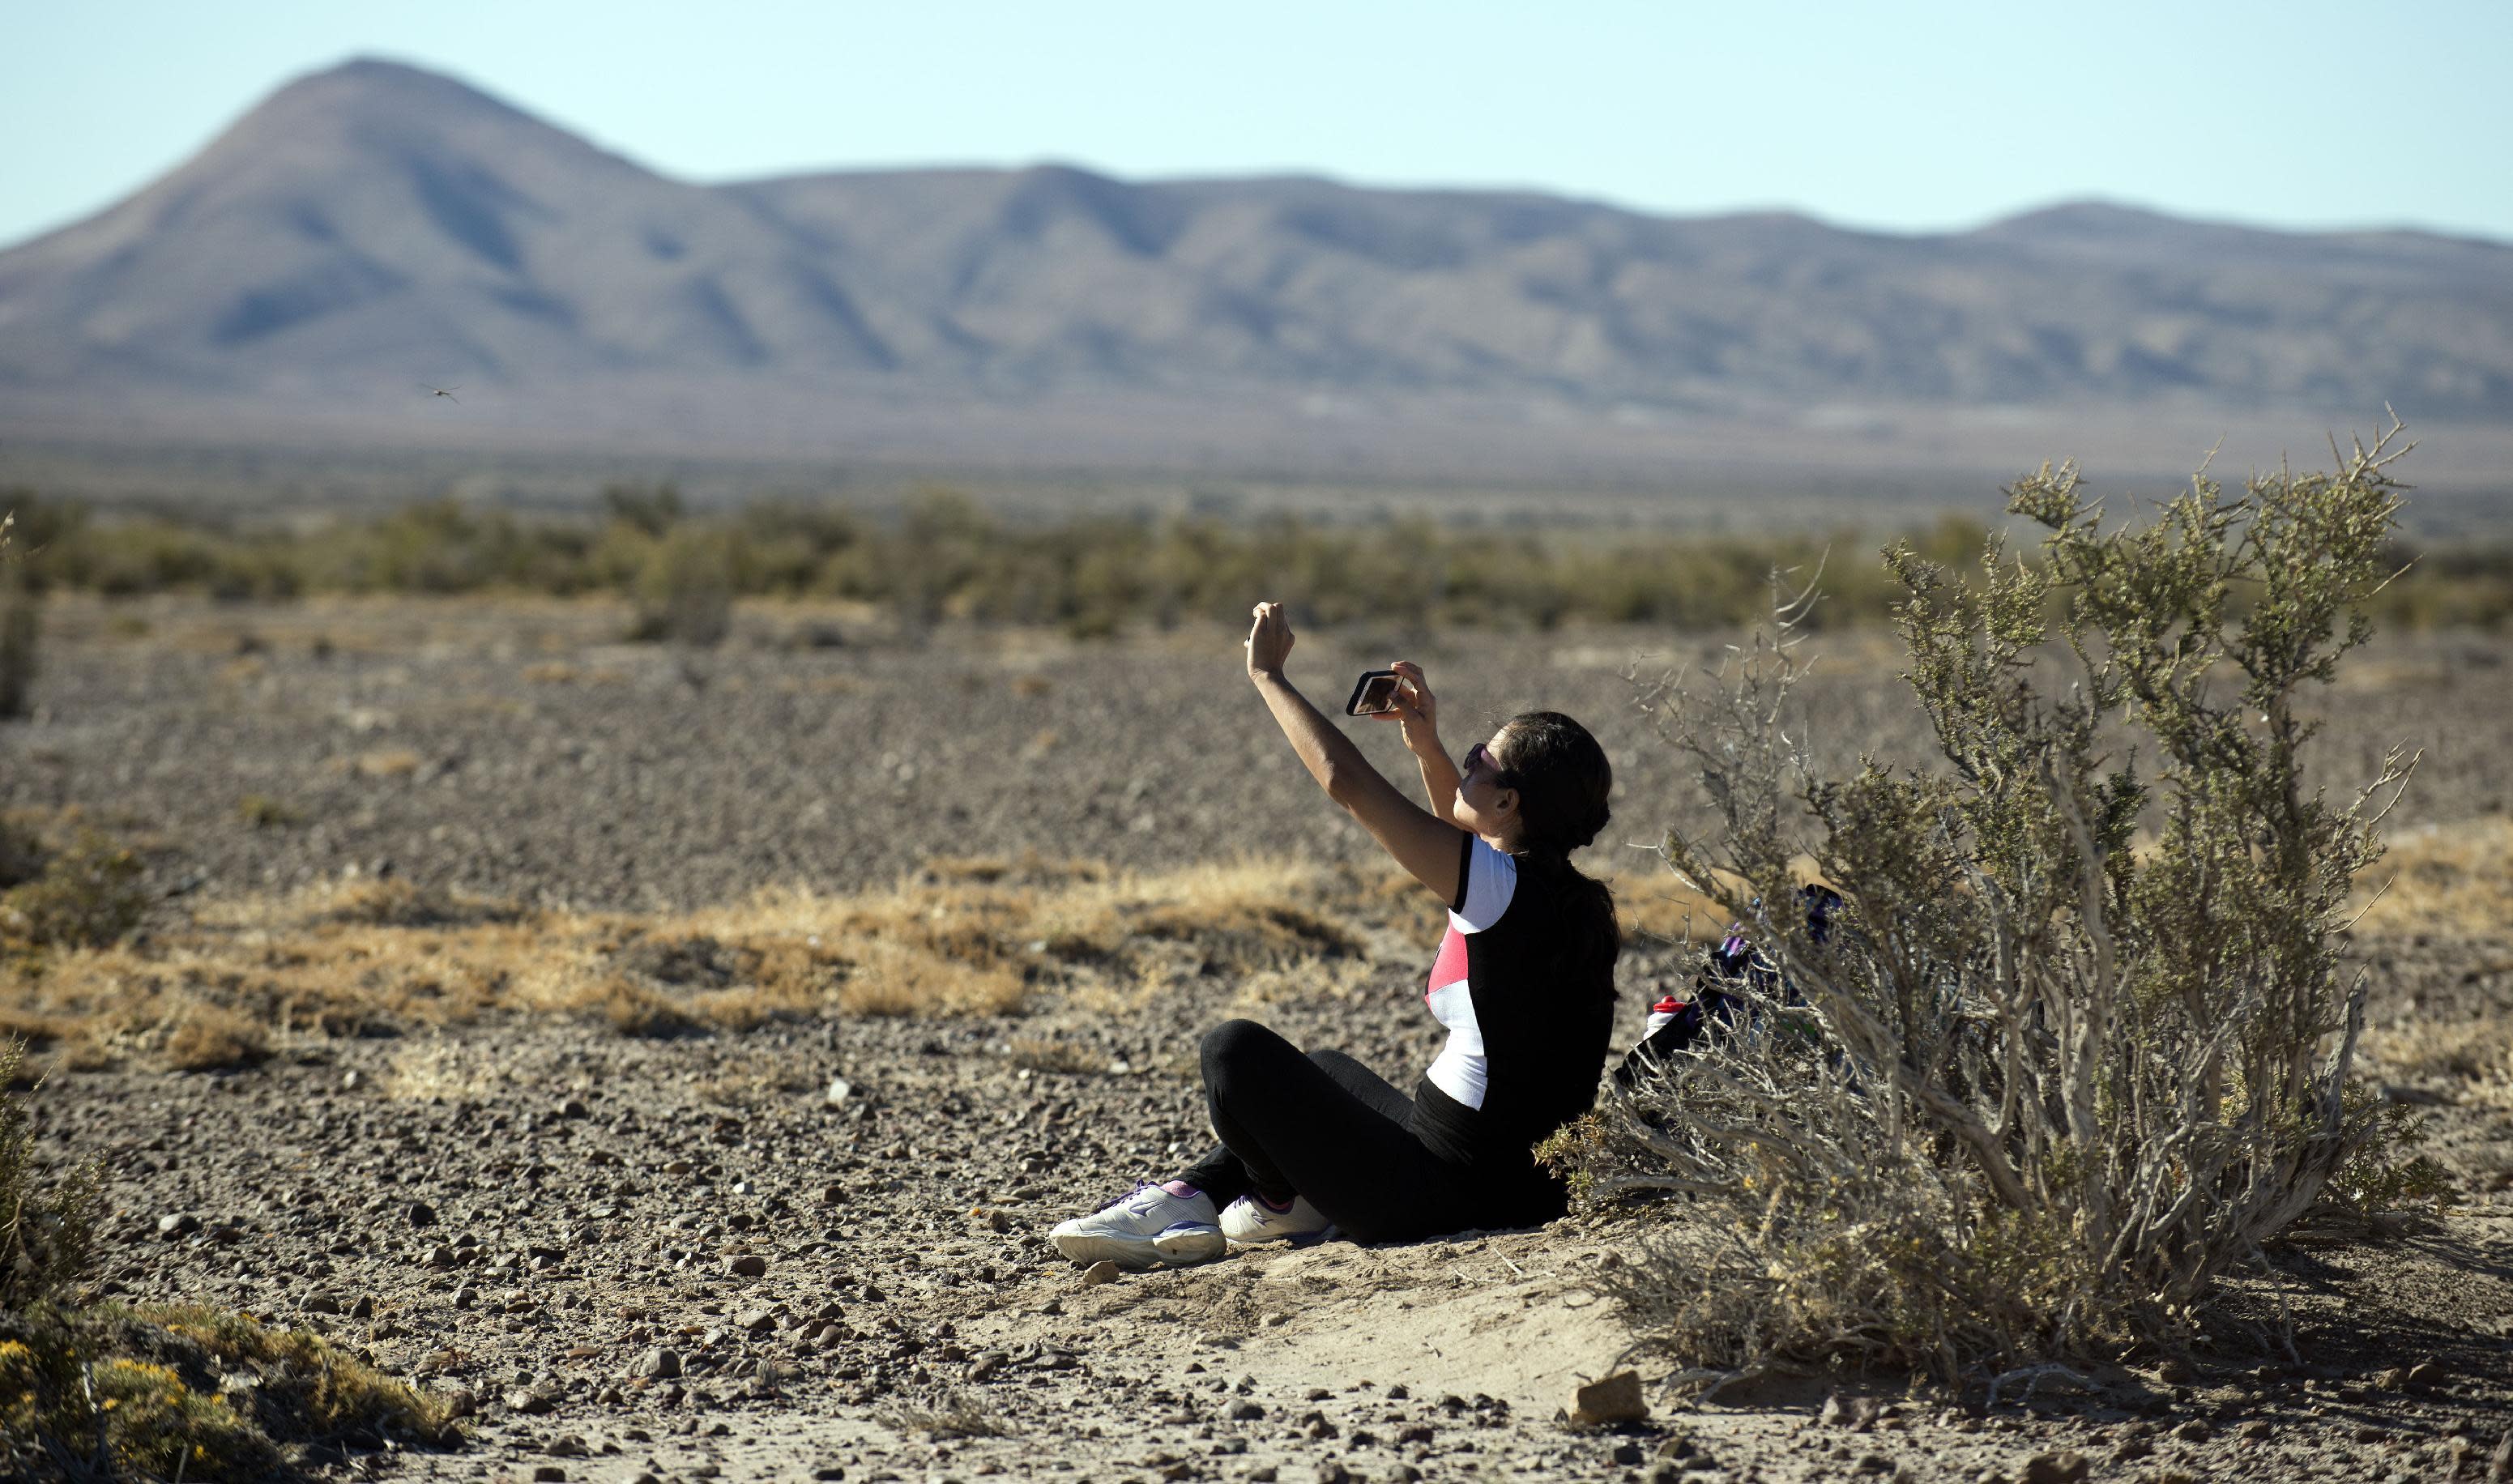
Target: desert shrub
(2037, 1090)
(88, 895)
(183, 1391)
(21, 627)
(46, 1233)
(684, 592)
(260, 811)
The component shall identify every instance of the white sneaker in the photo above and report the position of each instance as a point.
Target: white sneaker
(1149, 1227)
(1250, 1222)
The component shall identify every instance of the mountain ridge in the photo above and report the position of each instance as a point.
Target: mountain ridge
(375, 225)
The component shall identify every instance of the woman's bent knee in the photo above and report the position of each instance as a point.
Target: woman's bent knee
(1234, 1045)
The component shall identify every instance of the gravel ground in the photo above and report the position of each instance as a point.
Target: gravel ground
(681, 1259)
(508, 749)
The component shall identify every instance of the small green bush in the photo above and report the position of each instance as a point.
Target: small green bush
(684, 592)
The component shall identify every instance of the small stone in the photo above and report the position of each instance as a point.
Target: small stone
(829, 1471)
(460, 1401)
(2174, 1372)
(1247, 1412)
(1873, 1462)
(2425, 1373)
(180, 1224)
(441, 1257)
(2192, 1432)
(419, 1213)
(1101, 1271)
(2256, 1431)
(1614, 1398)
(364, 1309)
(749, 1265)
(548, 1473)
(1627, 1453)
(569, 1447)
(322, 1304)
(573, 1107)
(838, 1092)
(528, 1402)
(658, 1364)
(1859, 1414)
(758, 1321)
(2054, 1468)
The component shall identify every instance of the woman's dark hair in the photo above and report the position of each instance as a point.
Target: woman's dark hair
(1563, 779)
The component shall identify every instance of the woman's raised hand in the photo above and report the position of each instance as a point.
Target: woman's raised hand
(1415, 706)
(1269, 641)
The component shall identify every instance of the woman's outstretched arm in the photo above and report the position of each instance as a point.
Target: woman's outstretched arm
(1426, 847)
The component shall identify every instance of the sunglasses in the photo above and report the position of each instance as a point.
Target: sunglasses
(1479, 756)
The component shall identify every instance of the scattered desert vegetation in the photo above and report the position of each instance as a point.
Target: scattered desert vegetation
(93, 1389)
(2037, 1090)
(944, 557)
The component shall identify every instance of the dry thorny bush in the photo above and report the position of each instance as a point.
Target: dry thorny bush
(2041, 1086)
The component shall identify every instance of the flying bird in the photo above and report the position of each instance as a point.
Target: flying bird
(447, 393)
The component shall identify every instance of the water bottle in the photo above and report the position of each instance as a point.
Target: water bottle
(1662, 1014)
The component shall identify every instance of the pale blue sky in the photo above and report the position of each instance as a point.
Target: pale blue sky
(1910, 116)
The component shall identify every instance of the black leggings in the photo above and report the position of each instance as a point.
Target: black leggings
(1325, 1127)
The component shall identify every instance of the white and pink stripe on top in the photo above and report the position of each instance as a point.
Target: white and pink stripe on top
(1491, 879)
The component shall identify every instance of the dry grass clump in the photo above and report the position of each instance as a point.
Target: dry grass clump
(959, 936)
(2471, 1060)
(215, 1038)
(386, 762)
(390, 903)
(2454, 879)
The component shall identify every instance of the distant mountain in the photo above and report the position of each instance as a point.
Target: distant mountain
(374, 227)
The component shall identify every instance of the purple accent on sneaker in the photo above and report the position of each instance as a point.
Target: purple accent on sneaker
(1181, 1190)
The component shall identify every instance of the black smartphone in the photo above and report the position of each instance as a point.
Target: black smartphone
(1373, 694)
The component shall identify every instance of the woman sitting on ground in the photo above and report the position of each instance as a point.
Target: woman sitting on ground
(1524, 982)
